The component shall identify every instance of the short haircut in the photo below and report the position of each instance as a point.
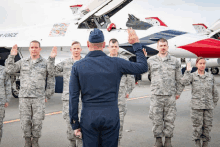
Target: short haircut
(76, 42)
(97, 45)
(162, 40)
(199, 58)
(113, 40)
(35, 41)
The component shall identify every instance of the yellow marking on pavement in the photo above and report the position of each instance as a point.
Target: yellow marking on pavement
(11, 121)
(53, 113)
(17, 120)
(59, 112)
(130, 99)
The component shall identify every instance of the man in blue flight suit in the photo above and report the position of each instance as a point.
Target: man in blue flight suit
(98, 77)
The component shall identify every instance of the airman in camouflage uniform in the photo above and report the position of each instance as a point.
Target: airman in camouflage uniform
(65, 68)
(127, 84)
(165, 71)
(5, 95)
(32, 95)
(204, 99)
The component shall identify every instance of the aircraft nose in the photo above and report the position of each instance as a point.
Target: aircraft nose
(207, 48)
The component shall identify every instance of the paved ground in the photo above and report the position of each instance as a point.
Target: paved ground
(137, 127)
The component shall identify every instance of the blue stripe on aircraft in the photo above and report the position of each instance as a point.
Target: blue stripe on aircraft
(168, 34)
(151, 39)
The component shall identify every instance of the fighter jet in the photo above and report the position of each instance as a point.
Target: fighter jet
(97, 14)
(202, 29)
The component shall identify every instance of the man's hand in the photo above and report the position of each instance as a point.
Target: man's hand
(45, 100)
(14, 50)
(127, 96)
(177, 97)
(189, 67)
(145, 53)
(132, 36)
(53, 52)
(6, 104)
(78, 133)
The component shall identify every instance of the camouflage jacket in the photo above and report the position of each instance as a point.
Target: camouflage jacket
(204, 90)
(33, 76)
(165, 75)
(5, 87)
(65, 68)
(127, 84)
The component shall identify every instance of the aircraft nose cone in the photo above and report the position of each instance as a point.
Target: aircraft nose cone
(207, 48)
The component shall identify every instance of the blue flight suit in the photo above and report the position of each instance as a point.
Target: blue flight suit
(98, 77)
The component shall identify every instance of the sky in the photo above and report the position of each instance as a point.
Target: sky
(176, 14)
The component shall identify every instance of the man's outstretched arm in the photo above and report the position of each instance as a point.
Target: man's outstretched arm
(127, 67)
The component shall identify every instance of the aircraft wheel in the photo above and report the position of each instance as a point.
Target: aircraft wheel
(149, 77)
(215, 71)
(15, 89)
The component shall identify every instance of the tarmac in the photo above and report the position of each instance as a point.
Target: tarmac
(137, 125)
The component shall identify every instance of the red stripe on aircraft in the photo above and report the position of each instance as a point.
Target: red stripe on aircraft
(207, 48)
(161, 23)
(76, 6)
(201, 24)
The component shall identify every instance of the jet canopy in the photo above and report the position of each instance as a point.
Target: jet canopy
(98, 12)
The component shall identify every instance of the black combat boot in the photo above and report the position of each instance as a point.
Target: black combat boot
(168, 142)
(27, 142)
(205, 144)
(158, 142)
(35, 142)
(197, 143)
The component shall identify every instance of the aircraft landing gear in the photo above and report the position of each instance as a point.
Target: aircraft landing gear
(215, 70)
(15, 89)
(15, 86)
(149, 77)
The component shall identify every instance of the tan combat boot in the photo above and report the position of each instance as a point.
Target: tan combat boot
(35, 142)
(197, 143)
(158, 142)
(27, 142)
(205, 144)
(72, 143)
(167, 142)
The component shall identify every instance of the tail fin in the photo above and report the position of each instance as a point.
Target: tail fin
(155, 21)
(200, 28)
(75, 8)
(215, 26)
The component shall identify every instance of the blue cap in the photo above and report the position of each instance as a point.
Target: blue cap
(96, 36)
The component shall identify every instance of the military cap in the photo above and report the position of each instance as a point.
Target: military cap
(96, 36)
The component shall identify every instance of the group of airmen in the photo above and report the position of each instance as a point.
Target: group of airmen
(37, 78)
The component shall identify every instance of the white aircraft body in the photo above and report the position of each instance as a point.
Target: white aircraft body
(97, 14)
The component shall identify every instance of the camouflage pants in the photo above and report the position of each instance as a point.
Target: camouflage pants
(70, 131)
(202, 123)
(163, 114)
(122, 112)
(32, 113)
(2, 116)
